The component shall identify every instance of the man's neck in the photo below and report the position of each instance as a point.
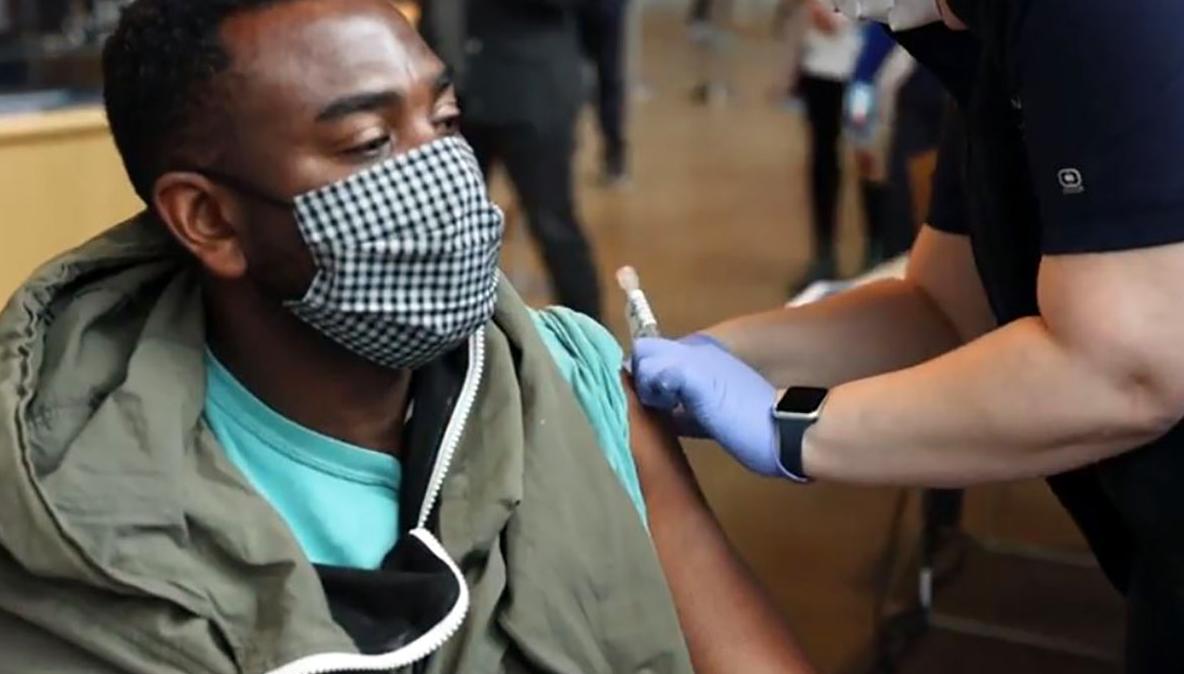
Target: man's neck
(304, 376)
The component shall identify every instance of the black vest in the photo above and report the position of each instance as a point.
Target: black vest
(1130, 508)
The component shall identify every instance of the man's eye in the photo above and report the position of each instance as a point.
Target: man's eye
(449, 125)
(373, 148)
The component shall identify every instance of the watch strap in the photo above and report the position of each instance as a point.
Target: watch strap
(791, 434)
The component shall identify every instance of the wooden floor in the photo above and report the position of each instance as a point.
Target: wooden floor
(716, 223)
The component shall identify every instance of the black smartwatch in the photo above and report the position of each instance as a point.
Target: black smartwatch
(797, 411)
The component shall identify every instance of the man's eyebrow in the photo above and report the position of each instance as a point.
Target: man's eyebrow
(367, 102)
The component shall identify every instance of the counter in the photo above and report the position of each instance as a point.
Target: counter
(61, 182)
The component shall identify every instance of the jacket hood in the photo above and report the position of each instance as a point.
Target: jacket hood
(111, 480)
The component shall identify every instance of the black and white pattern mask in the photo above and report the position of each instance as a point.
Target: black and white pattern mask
(406, 254)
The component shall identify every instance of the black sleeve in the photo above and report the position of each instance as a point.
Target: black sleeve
(948, 211)
(1101, 84)
(551, 5)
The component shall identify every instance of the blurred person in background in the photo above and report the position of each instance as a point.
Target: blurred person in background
(521, 84)
(830, 49)
(51, 15)
(290, 419)
(913, 105)
(790, 21)
(603, 31)
(11, 65)
(711, 42)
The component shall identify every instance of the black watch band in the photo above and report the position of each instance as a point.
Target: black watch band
(791, 434)
(796, 412)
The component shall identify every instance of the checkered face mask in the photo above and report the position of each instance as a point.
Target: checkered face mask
(406, 254)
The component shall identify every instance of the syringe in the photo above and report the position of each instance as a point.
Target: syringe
(641, 319)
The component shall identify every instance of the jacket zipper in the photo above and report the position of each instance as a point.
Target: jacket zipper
(456, 425)
(439, 634)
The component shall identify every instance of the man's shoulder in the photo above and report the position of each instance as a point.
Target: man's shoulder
(570, 335)
(590, 359)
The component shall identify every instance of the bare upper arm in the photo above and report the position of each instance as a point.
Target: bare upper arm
(661, 464)
(729, 622)
(942, 265)
(1123, 313)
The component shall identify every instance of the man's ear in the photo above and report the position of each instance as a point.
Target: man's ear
(199, 214)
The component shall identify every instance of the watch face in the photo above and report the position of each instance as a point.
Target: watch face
(802, 400)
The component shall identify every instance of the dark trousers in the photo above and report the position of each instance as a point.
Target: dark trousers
(824, 112)
(539, 163)
(602, 33)
(875, 196)
(920, 110)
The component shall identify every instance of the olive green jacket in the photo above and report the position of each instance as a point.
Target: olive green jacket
(129, 543)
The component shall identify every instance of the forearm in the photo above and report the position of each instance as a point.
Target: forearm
(870, 330)
(1014, 404)
(728, 620)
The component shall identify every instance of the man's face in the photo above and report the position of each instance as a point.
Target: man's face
(319, 91)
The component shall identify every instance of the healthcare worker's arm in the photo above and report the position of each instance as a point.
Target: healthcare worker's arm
(1101, 370)
(729, 622)
(1099, 373)
(873, 329)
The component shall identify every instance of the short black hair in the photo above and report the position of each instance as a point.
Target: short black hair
(160, 70)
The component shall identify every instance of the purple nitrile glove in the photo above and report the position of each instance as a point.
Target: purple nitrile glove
(716, 391)
(684, 424)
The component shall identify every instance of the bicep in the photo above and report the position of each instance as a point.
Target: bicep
(729, 622)
(942, 266)
(1120, 312)
(662, 467)
(1105, 139)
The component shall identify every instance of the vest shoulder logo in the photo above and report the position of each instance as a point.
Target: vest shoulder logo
(1071, 180)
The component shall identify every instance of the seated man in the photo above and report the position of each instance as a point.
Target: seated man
(288, 421)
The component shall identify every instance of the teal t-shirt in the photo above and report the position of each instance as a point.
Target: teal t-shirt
(341, 501)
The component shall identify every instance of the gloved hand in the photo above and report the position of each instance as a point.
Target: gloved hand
(717, 392)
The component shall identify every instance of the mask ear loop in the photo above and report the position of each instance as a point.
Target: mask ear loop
(244, 187)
